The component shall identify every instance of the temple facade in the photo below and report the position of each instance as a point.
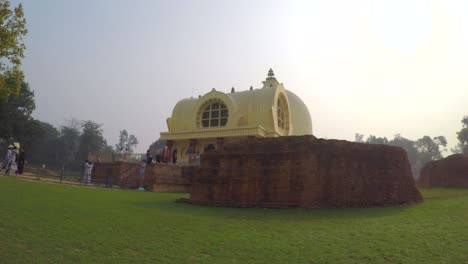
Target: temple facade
(209, 121)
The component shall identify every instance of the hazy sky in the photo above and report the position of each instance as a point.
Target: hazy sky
(373, 67)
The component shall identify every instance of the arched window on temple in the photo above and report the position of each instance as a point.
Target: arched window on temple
(214, 113)
(282, 113)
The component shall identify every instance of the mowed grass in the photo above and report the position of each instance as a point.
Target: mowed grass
(51, 223)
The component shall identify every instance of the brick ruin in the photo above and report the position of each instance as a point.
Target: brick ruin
(168, 178)
(451, 171)
(302, 171)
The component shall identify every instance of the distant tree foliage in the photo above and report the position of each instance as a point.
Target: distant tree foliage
(359, 138)
(158, 144)
(419, 152)
(69, 140)
(430, 148)
(12, 31)
(91, 139)
(462, 136)
(16, 124)
(408, 145)
(126, 142)
(376, 140)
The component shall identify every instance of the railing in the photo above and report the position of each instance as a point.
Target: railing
(136, 158)
(116, 157)
(63, 176)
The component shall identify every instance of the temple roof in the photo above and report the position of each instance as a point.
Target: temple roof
(248, 108)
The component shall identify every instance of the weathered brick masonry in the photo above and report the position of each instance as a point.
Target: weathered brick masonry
(158, 177)
(306, 172)
(451, 171)
(116, 173)
(168, 178)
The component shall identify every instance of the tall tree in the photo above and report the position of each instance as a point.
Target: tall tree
(462, 136)
(158, 144)
(359, 138)
(430, 148)
(15, 115)
(419, 152)
(91, 139)
(126, 142)
(69, 142)
(12, 31)
(46, 149)
(407, 145)
(376, 140)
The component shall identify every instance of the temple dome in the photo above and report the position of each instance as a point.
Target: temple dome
(268, 111)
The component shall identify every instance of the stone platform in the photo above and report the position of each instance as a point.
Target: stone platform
(302, 171)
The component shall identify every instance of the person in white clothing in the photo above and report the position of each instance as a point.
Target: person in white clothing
(87, 171)
(12, 161)
(7, 160)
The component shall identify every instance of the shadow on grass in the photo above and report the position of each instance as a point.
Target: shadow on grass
(285, 214)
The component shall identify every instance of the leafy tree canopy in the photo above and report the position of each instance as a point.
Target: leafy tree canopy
(15, 115)
(462, 136)
(430, 148)
(376, 140)
(126, 142)
(12, 31)
(91, 139)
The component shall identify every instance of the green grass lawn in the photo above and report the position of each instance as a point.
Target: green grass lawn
(52, 223)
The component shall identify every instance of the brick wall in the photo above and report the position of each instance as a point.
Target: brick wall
(158, 177)
(168, 178)
(306, 172)
(451, 171)
(124, 174)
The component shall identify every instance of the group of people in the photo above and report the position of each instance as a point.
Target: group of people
(15, 159)
(163, 155)
(88, 168)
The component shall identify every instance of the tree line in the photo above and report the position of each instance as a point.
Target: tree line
(65, 146)
(424, 149)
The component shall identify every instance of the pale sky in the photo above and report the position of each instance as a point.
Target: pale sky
(369, 67)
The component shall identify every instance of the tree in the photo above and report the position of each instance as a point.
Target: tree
(126, 142)
(45, 148)
(158, 144)
(419, 152)
(376, 140)
(12, 31)
(15, 110)
(91, 139)
(69, 142)
(407, 145)
(462, 136)
(430, 149)
(15, 115)
(359, 138)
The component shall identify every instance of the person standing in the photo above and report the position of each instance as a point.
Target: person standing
(158, 155)
(149, 157)
(6, 162)
(86, 168)
(142, 175)
(12, 163)
(21, 161)
(174, 156)
(165, 154)
(88, 180)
